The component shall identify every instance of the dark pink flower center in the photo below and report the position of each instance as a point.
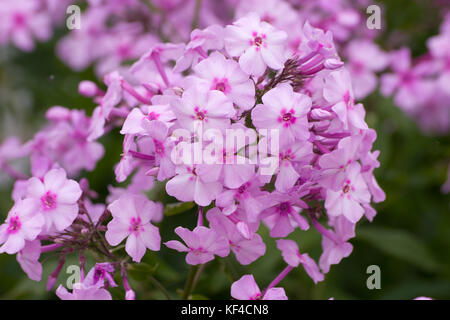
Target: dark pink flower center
(347, 187)
(348, 99)
(124, 51)
(257, 296)
(14, 225)
(159, 147)
(19, 20)
(221, 86)
(153, 116)
(408, 78)
(284, 207)
(135, 225)
(200, 114)
(258, 40)
(48, 201)
(287, 117)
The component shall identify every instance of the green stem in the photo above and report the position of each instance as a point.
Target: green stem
(160, 287)
(197, 275)
(189, 283)
(198, 6)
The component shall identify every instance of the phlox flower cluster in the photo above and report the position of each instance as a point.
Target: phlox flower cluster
(247, 77)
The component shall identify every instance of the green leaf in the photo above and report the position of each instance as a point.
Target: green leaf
(172, 209)
(399, 244)
(141, 271)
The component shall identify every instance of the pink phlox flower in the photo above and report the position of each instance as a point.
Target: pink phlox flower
(352, 194)
(197, 183)
(291, 255)
(334, 250)
(285, 110)
(101, 275)
(82, 291)
(246, 250)
(199, 106)
(56, 198)
(24, 223)
(131, 219)
(225, 75)
(257, 44)
(28, 259)
(338, 92)
(197, 49)
(201, 244)
(282, 213)
(246, 289)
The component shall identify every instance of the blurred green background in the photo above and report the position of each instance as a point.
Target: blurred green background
(409, 239)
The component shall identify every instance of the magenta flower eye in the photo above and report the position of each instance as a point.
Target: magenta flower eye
(49, 201)
(346, 188)
(14, 225)
(221, 86)
(258, 41)
(287, 116)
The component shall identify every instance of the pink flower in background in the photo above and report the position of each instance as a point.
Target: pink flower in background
(55, 198)
(246, 289)
(257, 43)
(407, 83)
(131, 220)
(23, 20)
(365, 59)
(201, 244)
(24, 223)
(291, 254)
(285, 110)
